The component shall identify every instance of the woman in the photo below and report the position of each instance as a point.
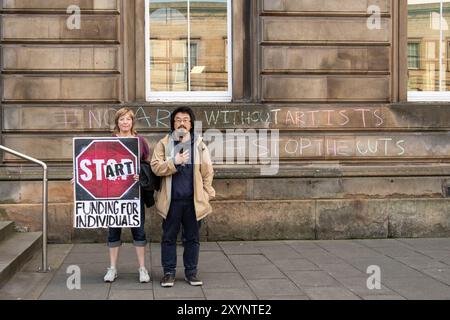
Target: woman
(124, 128)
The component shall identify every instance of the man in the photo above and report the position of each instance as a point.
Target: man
(183, 161)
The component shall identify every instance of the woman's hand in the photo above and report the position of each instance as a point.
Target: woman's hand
(136, 177)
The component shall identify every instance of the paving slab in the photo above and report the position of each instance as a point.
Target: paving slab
(181, 289)
(383, 297)
(420, 263)
(437, 254)
(343, 270)
(422, 288)
(80, 257)
(399, 252)
(238, 248)
(340, 245)
(130, 266)
(295, 265)
(215, 280)
(381, 243)
(248, 260)
(428, 243)
(209, 246)
(280, 252)
(331, 293)
(215, 261)
(92, 248)
(229, 294)
(306, 279)
(440, 274)
(298, 297)
(446, 261)
(185, 298)
(267, 243)
(130, 281)
(87, 270)
(323, 258)
(56, 254)
(388, 267)
(305, 252)
(274, 287)
(302, 245)
(92, 291)
(356, 253)
(358, 285)
(131, 295)
(260, 272)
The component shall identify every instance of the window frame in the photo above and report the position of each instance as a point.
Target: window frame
(447, 41)
(418, 44)
(419, 96)
(186, 96)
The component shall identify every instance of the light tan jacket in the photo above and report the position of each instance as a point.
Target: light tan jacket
(163, 166)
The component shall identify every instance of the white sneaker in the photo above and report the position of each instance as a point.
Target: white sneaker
(143, 275)
(111, 275)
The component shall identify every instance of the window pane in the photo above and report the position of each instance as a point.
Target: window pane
(424, 29)
(168, 45)
(188, 46)
(209, 31)
(413, 56)
(446, 37)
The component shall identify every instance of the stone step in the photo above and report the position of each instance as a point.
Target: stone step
(6, 229)
(15, 251)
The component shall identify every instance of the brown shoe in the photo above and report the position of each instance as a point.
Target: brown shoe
(168, 280)
(194, 281)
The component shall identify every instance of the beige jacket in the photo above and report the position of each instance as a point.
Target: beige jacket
(163, 166)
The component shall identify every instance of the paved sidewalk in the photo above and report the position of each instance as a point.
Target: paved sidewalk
(410, 269)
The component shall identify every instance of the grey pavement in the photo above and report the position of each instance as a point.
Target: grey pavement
(287, 270)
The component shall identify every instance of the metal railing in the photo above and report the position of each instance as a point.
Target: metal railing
(44, 267)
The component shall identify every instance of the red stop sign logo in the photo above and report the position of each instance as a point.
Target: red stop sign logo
(106, 169)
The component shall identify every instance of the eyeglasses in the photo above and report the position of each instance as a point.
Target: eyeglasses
(182, 120)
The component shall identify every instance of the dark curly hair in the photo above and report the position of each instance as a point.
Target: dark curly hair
(182, 110)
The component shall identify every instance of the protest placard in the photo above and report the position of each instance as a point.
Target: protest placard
(105, 191)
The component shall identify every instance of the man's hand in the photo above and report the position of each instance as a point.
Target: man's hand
(182, 158)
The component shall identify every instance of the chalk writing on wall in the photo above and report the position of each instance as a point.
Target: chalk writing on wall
(148, 117)
(345, 147)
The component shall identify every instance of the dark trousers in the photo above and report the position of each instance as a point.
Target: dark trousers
(181, 214)
(139, 238)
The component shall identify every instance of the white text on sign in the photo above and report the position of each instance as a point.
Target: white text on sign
(109, 170)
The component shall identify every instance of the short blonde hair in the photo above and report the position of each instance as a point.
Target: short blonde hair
(119, 114)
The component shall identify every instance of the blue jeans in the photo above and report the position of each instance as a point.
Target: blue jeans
(181, 213)
(139, 238)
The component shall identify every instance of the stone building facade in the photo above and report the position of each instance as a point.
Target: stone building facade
(356, 159)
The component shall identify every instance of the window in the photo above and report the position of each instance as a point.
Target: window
(428, 76)
(413, 55)
(200, 73)
(448, 55)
